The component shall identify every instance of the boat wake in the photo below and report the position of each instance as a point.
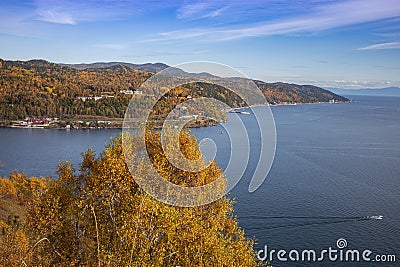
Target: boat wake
(298, 221)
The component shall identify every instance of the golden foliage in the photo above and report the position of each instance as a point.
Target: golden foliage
(13, 245)
(101, 217)
(7, 188)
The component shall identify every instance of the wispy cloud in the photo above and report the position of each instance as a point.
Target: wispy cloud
(110, 46)
(74, 11)
(322, 17)
(54, 16)
(381, 46)
(356, 84)
(389, 34)
(238, 11)
(199, 10)
(14, 23)
(339, 84)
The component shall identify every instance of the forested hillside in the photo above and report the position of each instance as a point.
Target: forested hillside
(38, 88)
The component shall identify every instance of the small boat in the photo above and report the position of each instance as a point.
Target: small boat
(245, 112)
(375, 217)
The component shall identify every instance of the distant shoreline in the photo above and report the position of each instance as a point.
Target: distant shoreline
(204, 123)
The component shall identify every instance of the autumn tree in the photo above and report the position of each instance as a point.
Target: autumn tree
(13, 245)
(16, 193)
(99, 216)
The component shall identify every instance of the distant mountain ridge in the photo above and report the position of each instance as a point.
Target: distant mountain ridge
(388, 91)
(148, 67)
(305, 93)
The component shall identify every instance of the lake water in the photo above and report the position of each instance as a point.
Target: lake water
(335, 164)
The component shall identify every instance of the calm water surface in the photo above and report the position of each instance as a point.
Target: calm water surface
(334, 165)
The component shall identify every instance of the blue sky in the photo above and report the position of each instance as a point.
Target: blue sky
(345, 44)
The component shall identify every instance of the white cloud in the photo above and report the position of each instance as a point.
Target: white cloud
(54, 16)
(388, 45)
(323, 17)
(74, 11)
(199, 10)
(338, 83)
(357, 84)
